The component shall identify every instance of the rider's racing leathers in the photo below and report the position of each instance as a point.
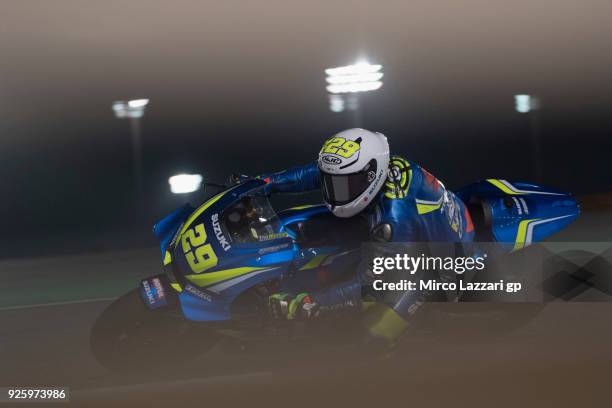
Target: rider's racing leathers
(412, 207)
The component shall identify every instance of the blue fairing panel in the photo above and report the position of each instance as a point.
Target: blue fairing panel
(521, 213)
(166, 228)
(213, 303)
(297, 214)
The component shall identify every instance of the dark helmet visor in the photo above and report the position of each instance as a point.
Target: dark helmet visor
(341, 189)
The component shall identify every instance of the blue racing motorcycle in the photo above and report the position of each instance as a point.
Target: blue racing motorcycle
(224, 258)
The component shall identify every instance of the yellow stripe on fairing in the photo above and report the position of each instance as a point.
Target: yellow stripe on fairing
(206, 279)
(197, 213)
(176, 287)
(302, 207)
(167, 258)
(314, 262)
(502, 187)
(521, 234)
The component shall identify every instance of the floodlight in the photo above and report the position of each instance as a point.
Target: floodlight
(523, 103)
(134, 108)
(185, 183)
(360, 77)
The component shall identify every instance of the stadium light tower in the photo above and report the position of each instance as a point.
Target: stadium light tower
(345, 83)
(134, 110)
(530, 105)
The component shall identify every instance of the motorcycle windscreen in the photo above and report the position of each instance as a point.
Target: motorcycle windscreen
(251, 219)
(341, 189)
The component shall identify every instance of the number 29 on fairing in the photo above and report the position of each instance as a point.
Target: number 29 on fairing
(199, 255)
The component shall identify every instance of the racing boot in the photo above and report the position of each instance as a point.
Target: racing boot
(383, 328)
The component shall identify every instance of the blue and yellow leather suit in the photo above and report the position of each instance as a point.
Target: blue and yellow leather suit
(413, 206)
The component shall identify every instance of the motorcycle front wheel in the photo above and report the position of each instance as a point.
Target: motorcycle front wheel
(128, 337)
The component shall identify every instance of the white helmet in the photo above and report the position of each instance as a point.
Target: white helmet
(353, 166)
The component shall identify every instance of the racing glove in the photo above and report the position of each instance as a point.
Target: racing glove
(235, 178)
(283, 306)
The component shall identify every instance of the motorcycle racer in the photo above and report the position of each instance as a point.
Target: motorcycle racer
(401, 201)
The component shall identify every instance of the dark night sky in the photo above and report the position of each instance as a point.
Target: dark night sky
(239, 86)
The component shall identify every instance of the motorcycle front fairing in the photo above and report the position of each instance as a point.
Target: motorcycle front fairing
(209, 264)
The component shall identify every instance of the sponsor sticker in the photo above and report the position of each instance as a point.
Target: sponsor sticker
(153, 293)
(450, 207)
(219, 233)
(331, 159)
(273, 248)
(270, 237)
(198, 293)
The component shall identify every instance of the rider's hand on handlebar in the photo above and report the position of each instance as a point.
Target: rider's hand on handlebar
(235, 178)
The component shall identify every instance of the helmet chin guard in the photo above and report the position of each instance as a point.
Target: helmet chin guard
(353, 166)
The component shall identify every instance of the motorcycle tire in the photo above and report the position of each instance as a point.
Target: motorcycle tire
(128, 337)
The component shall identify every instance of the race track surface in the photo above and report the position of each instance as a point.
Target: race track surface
(47, 306)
